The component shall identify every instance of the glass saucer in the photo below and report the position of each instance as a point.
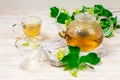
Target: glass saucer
(50, 48)
(26, 44)
(32, 55)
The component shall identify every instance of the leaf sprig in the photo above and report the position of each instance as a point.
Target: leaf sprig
(74, 62)
(64, 17)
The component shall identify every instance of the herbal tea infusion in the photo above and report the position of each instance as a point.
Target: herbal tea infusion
(32, 30)
(86, 34)
(31, 26)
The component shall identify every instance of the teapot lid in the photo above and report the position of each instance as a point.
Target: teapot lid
(85, 17)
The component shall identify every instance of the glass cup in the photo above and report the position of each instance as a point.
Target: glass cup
(31, 27)
(31, 59)
(29, 44)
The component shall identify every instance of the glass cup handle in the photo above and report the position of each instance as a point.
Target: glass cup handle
(110, 28)
(16, 28)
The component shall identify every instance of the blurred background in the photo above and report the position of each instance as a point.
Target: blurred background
(60, 3)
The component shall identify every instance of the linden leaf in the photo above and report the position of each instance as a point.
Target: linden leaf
(54, 11)
(62, 17)
(26, 44)
(107, 35)
(60, 54)
(72, 58)
(74, 73)
(91, 58)
(74, 50)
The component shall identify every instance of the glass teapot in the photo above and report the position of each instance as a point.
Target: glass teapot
(85, 32)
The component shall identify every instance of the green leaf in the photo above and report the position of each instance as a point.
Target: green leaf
(91, 58)
(67, 22)
(66, 67)
(108, 35)
(26, 44)
(83, 59)
(106, 13)
(74, 73)
(76, 11)
(98, 9)
(91, 11)
(60, 54)
(36, 45)
(62, 17)
(84, 9)
(114, 20)
(64, 11)
(104, 23)
(72, 59)
(118, 26)
(54, 11)
(74, 50)
(73, 17)
(82, 66)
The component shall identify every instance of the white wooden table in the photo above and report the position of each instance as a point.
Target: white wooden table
(10, 55)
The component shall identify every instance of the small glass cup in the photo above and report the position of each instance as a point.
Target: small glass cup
(30, 43)
(32, 56)
(31, 26)
(31, 60)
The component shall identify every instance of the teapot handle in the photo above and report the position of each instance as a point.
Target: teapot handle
(110, 28)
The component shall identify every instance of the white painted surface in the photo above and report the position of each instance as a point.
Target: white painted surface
(10, 56)
(60, 3)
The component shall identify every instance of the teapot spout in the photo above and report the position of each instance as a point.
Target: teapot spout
(62, 34)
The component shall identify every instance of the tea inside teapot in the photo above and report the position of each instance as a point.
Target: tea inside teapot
(84, 32)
